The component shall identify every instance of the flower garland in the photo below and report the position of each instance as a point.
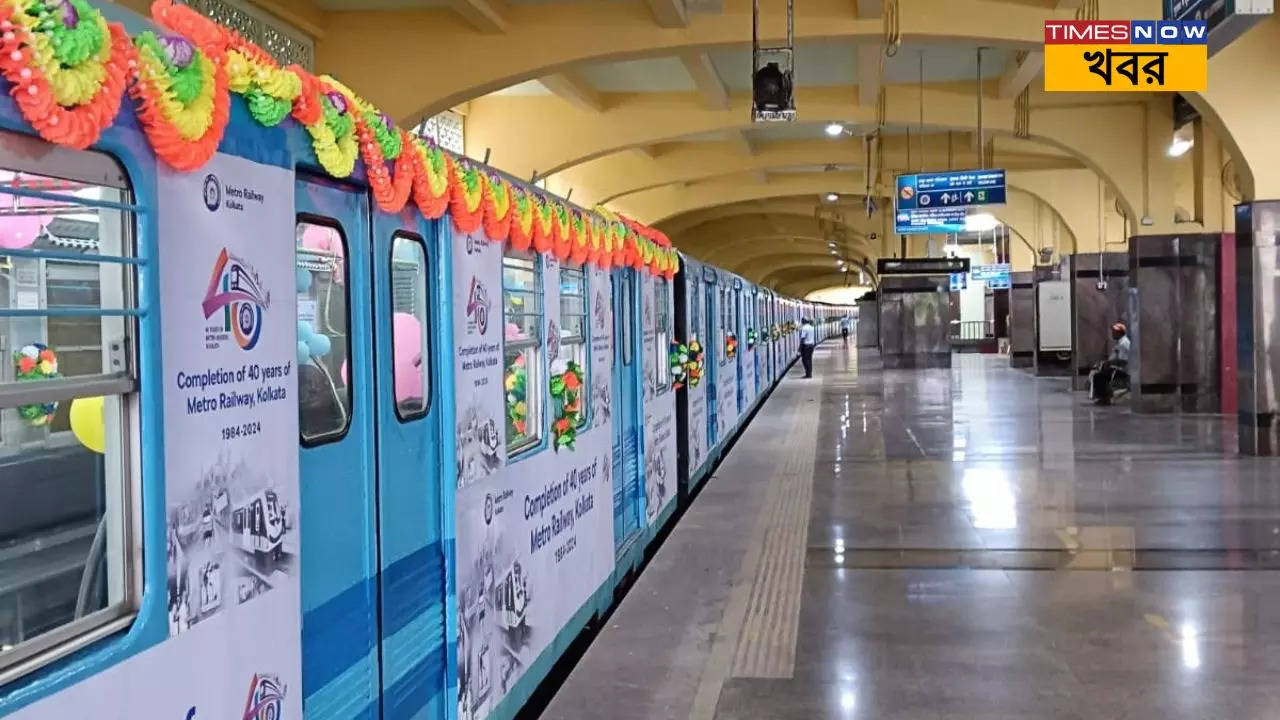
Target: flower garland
(521, 229)
(678, 357)
(697, 357)
(466, 198)
(379, 140)
(185, 105)
(730, 345)
(561, 230)
(432, 182)
(498, 214)
(566, 387)
(67, 65)
(516, 382)
(751, 339)
(543, 222)
(69, 69)
(36, 362)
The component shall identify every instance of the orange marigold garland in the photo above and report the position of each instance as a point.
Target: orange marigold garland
(542, 222)
(433, 179)
(67, 65)
(183, 96)
(581, 233)
(521, 231)
(465, 201)
(561, 230)
(497, 208)
(380, 140)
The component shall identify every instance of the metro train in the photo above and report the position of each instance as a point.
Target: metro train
(479, 431)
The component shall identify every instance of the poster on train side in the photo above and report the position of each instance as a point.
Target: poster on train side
(230, 368)
(659, 400)
(534, 529)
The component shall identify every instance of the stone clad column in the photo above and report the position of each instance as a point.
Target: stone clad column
(1258, 325)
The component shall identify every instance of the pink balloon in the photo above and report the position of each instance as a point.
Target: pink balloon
(406, 333)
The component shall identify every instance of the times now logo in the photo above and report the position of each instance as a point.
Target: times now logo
(1126, 32)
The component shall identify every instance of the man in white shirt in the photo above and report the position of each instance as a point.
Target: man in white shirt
(806, 346)
(1115, 370)
(846, 326)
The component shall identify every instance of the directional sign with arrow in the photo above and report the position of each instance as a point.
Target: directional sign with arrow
(932, 202)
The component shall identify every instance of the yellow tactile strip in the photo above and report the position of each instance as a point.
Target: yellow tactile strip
(767, 641)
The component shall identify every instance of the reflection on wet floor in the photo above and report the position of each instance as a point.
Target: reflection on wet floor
(987, 544)
(980, 544)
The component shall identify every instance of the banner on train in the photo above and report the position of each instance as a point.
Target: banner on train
(534, 519)
(229, 331)
(659, 400)
(1126, 55)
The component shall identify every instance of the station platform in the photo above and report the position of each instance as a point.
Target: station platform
(962, 543)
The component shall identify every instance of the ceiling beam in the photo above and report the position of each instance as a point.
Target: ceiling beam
(705, 78)
(868, 73)
(669, 13)
(1019, 73)
(483, 15)
(1070, 4)
(870, 9)
(645, 151)
(740, 143)
(574, 89)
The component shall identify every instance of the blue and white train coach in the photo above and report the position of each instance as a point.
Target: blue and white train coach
(271, 451)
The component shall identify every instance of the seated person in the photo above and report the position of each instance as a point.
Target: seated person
(1114, 371)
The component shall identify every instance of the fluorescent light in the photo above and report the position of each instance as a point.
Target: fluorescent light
(980, 222)
(834, 129)
(832, 197)
(1179, 147)
(1183, 140)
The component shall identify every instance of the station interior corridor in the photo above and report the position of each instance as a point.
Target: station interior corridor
(970, 542)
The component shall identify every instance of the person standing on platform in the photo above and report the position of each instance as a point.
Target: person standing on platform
(846, 324)
(806, 346)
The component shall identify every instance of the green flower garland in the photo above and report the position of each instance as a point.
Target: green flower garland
(567, 389)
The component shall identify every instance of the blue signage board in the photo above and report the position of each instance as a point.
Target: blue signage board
(995, 276)
(939, 202)
(959, 281)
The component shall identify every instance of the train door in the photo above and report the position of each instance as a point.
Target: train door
(409, 289)
(739, 300)
(340, 668)
(628, 510)
(713, 349)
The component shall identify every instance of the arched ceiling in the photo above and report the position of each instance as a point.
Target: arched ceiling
(644, 105)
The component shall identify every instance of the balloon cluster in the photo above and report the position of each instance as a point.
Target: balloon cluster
(311, 344)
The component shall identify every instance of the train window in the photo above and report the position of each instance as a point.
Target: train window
(695, 310)
(662, 330)
(573, 324)
(522, 351)
(410, 327)
(68, 401)
(324, 374)
(727, 327)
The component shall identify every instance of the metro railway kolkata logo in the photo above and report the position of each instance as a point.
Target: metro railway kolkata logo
(233, 303)
(212, 192)
(266, 698)
(477, 308)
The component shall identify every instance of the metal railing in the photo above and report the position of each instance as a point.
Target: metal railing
(970, 330)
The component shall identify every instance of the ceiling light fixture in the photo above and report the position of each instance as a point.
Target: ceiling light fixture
(980, 222)
(1183, 140)
(834, 129)
(832, 197)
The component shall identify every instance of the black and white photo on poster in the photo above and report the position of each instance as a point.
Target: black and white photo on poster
(478, 377)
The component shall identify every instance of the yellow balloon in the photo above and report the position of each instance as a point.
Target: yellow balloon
(89, 424)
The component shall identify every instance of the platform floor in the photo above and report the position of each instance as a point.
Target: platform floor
(963, 543)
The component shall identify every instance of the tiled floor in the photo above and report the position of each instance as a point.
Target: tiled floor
(981, 544)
